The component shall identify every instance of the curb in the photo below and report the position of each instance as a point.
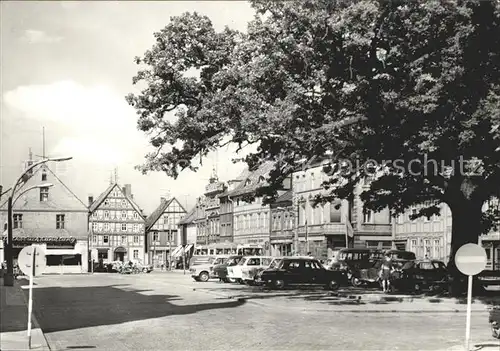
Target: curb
(37, 333)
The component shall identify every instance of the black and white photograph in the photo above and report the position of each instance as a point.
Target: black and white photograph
(250, 175)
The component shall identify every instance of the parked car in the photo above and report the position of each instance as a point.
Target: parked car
(353, 260)
(246, 270)
(329, 263)
(488, 278)
(366, 276)
(202, 270)
(302, 271)
(416, 276)
(494, 320)
(274, 263)
(145, 268)
(220, 270)
(400, 257)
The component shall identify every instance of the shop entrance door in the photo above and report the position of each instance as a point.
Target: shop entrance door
(120, 254)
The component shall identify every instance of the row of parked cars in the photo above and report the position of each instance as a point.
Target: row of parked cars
(356, 267)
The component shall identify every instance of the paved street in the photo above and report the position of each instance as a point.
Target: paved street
(161, 311)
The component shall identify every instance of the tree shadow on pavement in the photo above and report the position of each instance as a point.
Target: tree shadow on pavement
(66, 308)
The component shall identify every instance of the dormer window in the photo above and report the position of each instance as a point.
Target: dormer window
(261, 179)
(44, 176)
(248, 182)
(44, 194)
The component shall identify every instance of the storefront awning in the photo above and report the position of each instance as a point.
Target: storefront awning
(121, 250)
(177, 251)
(188, 248)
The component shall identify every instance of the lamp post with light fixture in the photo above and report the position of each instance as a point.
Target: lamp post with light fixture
(9, 277)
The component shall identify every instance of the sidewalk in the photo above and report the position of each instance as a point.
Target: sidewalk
(14, 320)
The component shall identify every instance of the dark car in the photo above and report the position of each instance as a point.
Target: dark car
(400, 257)
(302, 271)
(351, 261)
(416, 276)
(220, 270)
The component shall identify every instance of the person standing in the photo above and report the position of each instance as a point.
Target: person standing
(385, 273)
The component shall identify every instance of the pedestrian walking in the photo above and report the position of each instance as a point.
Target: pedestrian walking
(385, 273)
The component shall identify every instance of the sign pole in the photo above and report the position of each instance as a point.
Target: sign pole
(30, 300)
(469, 307)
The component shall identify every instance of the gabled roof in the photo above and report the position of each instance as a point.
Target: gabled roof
(253, 180)
(286, 197)
(151, 220)
(106, 193)
(31, 180)
(189, 217)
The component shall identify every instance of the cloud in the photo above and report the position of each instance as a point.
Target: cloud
(37, 36)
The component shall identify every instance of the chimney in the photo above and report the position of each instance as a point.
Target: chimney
(162, 200)
(127, 189)
(91, 200)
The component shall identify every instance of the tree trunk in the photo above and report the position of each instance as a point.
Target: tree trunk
(466, 229)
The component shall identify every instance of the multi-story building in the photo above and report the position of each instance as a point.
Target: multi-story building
(53, 217)
(117, 226)
(164, 239)
(324, 228)
(211, 206)
(252, 219)
(187, 228)
(426, 237)
(226, 212)
(431, 237)
(283, 224)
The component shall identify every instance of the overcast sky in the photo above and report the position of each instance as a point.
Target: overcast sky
(67, 66)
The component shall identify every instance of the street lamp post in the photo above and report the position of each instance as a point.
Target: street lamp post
(9, 277)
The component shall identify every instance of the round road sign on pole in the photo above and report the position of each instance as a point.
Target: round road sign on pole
(470, 259)
(25, 260)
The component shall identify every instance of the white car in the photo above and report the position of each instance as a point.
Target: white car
(248, 268)
(203, 270)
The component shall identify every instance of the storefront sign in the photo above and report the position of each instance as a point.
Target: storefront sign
(50, 241)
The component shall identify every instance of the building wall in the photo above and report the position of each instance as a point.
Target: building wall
(251, 221)
(226, 220)
(424, 236)
(116, 224)
(282, 230)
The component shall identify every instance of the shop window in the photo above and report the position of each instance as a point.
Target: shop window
(136, 254)
(18, 221)
(60, 221)
(64, 260)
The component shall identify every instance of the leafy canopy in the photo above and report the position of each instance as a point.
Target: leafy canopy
(363, 80)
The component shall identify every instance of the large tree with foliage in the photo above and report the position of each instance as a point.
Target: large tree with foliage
(362, 80)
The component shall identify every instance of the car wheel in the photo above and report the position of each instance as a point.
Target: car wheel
(231, 280)
(417, 289)
(355, 281)
(240, 281)
(279, 284)
(333, 285)
(145, 270)
(495, 330)
(196, 279)
(203, 276)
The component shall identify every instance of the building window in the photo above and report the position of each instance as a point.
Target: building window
(124, 214)
(106, 214)
(106, 239)
(18, 221)
(124, 203)
(170, 236)
(60, 221)
(106, 227)
(136, 254)
(94, 239)
(124, 227)
(368, 217)
(136, 228)
(94, 227)
(124, 239)
(94, 214)
(136, 215)
(413, 213)
(106, 202)
(136, 239)
(155, 236)
(44, 176)
(44, 194)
